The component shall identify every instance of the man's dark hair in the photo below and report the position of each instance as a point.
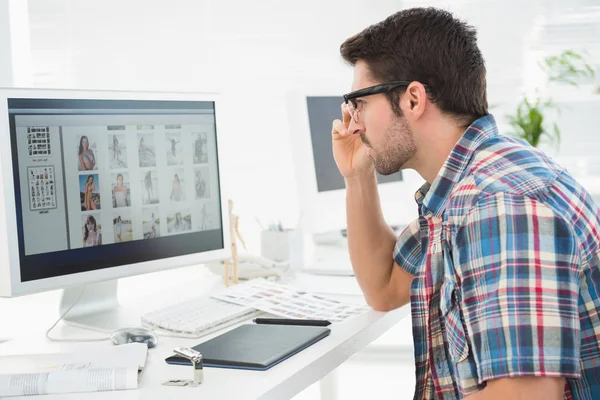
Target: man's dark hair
(430, 46)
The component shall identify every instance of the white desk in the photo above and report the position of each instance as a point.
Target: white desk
(280, 382)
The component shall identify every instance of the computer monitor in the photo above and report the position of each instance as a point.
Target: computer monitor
(321, 187)
(95, 186)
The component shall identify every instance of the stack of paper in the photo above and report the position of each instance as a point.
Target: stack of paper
(106, 367)
(286, 301)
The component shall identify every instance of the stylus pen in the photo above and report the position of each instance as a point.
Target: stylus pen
(289, 321)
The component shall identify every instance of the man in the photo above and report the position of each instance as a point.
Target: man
(502, 266)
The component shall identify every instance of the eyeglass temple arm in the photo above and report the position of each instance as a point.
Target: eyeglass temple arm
(377, 89)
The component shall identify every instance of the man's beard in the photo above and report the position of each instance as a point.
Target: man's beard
(397, 147)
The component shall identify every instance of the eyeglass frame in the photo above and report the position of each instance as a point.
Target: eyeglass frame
(376, 89)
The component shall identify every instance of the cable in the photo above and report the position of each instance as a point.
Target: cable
(63, 315)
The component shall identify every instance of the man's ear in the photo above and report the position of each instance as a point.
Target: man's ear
(414, 100)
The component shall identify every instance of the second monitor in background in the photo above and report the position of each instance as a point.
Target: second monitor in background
(321, 185)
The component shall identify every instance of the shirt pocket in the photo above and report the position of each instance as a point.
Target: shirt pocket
(455, 331)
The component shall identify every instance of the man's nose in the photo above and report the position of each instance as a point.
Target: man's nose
(355, 127)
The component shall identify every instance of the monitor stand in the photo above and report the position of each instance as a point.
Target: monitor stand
(334, 238)
(330, 256)
(98, 308)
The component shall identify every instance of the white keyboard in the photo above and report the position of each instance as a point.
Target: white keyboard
(198, 316)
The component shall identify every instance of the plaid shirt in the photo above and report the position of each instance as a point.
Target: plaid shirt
(505, 256)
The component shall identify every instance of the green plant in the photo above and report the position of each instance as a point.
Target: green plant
(569, 68)
(528, 122)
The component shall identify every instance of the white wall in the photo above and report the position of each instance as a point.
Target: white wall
(15, 49)
(6, 73)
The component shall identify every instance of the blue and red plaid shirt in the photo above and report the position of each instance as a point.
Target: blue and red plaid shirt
(506, 262)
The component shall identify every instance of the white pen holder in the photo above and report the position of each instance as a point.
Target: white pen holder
(287, 245)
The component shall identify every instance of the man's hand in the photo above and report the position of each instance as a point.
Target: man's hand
(348, 150)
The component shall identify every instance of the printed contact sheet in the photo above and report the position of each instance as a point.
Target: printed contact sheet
(42, 187)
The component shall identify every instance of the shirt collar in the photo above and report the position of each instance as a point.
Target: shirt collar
(433, 198)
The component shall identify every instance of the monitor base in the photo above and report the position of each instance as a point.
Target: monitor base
(97, 308)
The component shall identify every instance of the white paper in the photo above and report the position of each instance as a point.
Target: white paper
(102, 356)
(288, 302)
(73, 381)
(99, 369)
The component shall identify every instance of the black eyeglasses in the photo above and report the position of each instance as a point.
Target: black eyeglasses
(349, 98)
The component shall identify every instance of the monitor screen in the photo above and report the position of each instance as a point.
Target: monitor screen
(108, 183)
(322, 111)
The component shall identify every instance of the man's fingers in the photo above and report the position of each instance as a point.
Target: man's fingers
(345, 115)
(339, 128)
